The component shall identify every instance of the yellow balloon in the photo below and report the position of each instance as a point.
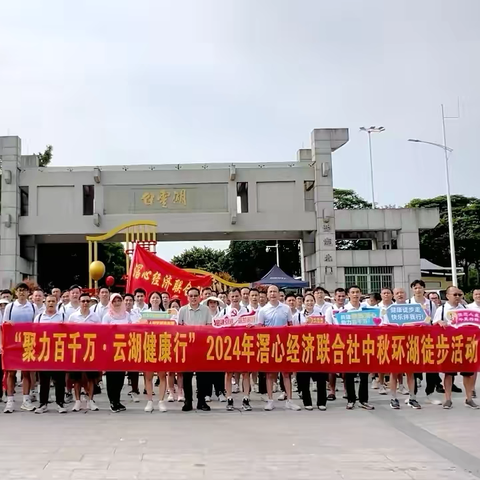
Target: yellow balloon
(97, 270)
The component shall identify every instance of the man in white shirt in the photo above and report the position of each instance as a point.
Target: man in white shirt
(354, 295)
(38, 299)
(19, 311)
(262, 298)
(74, 304)
(84, 315)
(475, 305)
(196, 315)
(321, 306)
(337, 306)
(290, 300)
(245, 293)
(101, 308)
(206, 293)
(433, 380)
(276, 314)
(442, 317)
(253, 304)
(57, 293)
(50, 315)
(165, 299)
(233, 310)
(140, 304)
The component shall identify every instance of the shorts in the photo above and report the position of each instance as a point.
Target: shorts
(463, 374)
(77, 376)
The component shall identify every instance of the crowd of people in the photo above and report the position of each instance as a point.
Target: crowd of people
(272, 307)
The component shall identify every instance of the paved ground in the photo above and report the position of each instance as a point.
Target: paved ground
(337, 444)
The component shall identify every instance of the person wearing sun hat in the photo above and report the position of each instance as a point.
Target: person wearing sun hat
(214, 305)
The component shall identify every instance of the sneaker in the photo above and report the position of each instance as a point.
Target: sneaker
(407, 400)
(382, 390)
(188, 407)
(222, 398)
(282, 397)
(440, 389)
(41, 409)
(414, 404)
(27, 405)
(149, 407)
(121, 407)
(331, 397)
(322, 407)
(230, 406)
(403, 390)
(170, 398)
(92, 406)
(161, 406)
(395, 404)
(114, 408)
(269, 406)
(203, 407)
(246, 405)
(60, 409)
(134, 397)
(308, 407)
(366, 406)
(456, 389)
(350, 406)
(255, 388)
(77, 407)
(235, 388)
(447, 405)
(33, 396)
(434, 401)
(68, 397)
(9, 407)
(375, 384)
(289, 405)
(208, 399)
(471, 404)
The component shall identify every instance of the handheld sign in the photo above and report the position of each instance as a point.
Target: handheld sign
(460, 318)
(366, 317)
(242, 320)
(158, 318)
(406, 314)
(315, 320)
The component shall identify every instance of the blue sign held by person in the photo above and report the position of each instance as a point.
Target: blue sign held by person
(406, 313)
(366, 317)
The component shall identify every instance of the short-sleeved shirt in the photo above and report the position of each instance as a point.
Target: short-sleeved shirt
(275, 316)
(473, 306)
(135, 315)
(330, 313)
(300, 318)
(200, 316)
(321, 309)
(441, 313)
(70, 309)
(107, 319)
(77, 317)
(57, 317)
(99, 309)
(429, 307)
(20, 313)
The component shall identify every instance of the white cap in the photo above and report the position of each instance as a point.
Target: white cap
(3, 300)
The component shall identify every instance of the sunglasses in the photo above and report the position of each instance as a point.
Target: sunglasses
(84, 301)
(457, 294)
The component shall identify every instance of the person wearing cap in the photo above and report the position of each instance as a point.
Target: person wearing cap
(217, 379)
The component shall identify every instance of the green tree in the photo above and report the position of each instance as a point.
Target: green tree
(248, 261)
(348, 200)
(45, 158)
(205, 258)
(434, 243)
(113, 256)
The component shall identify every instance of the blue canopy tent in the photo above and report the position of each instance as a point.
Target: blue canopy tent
(276, 276)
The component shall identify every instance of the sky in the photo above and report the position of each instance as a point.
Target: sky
(149, 82)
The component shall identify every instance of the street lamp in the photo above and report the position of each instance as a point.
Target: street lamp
(277, 247)
(453, 260)
(371, 130)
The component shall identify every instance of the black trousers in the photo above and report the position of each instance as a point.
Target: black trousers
(303, 381)
(134, 376)
(217, 379)
(262, 383)
(59, 379)
(204, 386)
(362, 389)
(115, 382)
(433, 380)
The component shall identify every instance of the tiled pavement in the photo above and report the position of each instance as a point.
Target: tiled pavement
(337, 444)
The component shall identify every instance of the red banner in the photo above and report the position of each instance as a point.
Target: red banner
(151, 273)
(327, 348)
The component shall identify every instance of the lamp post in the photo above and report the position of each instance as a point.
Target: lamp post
(371, 130)
(276, 246)
(446, 150)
